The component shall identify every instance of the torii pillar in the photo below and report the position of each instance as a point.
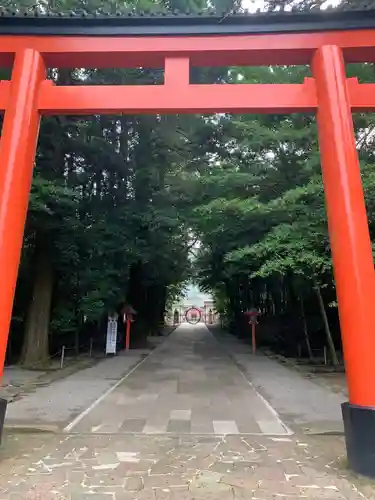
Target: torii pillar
(17, 152)
(351, 253)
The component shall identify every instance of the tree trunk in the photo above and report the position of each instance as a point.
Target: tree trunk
(160, 299)
(331, 345)
(76, 340)
(305, 331)
(35, 351)
(138, 300)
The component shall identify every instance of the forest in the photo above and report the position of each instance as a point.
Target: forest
(118, 203)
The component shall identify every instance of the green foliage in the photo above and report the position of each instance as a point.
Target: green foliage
(260, 212)
(102, 205)
(117, 201)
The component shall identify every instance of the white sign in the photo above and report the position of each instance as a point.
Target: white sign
(111, 335)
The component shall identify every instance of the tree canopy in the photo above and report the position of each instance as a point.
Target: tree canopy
(118, 202)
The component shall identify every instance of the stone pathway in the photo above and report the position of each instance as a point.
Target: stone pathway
(302, 402)
(15, 379)
(52, 406)
(141, 467)
(183, 425)
(188, 385)
(18, 382)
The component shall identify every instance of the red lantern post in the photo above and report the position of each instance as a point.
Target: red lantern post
(252, 316)
(129, 318)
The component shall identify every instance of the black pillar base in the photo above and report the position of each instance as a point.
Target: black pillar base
(3, 408)
(359, 425)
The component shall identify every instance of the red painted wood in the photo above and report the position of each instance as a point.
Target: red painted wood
(348, 226)
(127, 335)
(240, 50)
(169, 99)
(362, 95)
(17, 151)
(4, 94)
(276, 98)
(331, 94)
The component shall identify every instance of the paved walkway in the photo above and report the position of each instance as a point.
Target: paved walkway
(166, 467)
(52, 406)
(184, 425)
(302, 402)
(189, 385)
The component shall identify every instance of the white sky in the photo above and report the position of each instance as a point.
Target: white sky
(254, 5)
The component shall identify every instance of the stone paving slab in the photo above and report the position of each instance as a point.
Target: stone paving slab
(140, 467)
(300, 401)
(55, 404)
(187, 386)
(190, 395)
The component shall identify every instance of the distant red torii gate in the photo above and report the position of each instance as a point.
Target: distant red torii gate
(329, 94)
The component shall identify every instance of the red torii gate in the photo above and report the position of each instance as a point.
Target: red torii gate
(32, 45)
